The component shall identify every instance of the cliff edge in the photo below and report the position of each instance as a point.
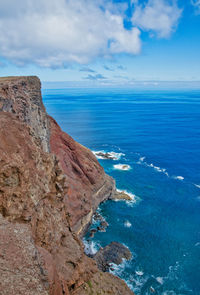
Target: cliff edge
(49, 188)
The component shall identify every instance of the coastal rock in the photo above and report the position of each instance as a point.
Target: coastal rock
(122, 196)
(106, 156)
(112, 253)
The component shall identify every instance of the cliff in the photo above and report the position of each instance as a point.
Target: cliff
(49, 188)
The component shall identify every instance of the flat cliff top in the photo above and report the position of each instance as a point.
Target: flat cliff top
(17, 78)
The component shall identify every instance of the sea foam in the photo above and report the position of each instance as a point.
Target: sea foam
(127, 224)
(179, 177)
(157, 168)
(91, 247)
(122, 167)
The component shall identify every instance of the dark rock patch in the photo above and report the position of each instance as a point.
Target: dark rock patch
(112, 253)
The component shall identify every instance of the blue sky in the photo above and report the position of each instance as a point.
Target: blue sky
(101, 41)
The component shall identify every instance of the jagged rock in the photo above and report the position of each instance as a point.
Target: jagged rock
(112, 253)
(97, 216)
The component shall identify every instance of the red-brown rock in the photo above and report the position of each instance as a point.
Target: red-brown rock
(88, 185)
(45, 200)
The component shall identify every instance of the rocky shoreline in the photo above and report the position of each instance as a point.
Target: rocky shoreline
(50, 187)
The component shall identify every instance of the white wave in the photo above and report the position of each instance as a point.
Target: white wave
(91, 247)
(141, 159)
(118, 269)
(127, 224)
(139, 273)
(197, 185)
(103, 155)
(160, 280)
(179, 177)
(157, 168)
(122, 167)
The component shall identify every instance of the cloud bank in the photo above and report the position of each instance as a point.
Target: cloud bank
(55, 33)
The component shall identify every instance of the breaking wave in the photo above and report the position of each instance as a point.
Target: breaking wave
(103, 155)
(122, 167)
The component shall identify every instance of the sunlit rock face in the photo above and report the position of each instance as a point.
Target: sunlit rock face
(22, 97)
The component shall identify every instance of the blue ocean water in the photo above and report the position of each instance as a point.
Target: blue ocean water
(158, 133)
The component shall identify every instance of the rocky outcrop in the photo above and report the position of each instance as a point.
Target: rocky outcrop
(112, 253)
(40, 195)
(121, 195)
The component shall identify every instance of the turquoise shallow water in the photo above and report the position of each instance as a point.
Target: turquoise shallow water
(158, 133)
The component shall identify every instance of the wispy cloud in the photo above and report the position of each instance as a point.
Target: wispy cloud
(86, 69)
(95, 77)
(160, 16)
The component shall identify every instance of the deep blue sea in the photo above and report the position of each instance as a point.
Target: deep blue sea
(158, 133)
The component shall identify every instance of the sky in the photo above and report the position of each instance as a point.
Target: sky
(105, 42)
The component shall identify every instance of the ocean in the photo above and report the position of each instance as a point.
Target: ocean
(156, 133)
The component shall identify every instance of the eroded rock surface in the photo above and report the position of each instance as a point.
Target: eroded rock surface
(22, 97)
(45, 200)
(33, 190)
(104, 284)
(88, 183)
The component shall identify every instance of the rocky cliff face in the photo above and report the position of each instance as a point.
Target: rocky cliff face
(45, 200)
(88, 183)
(22, 97)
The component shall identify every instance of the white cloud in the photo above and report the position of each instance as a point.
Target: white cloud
(55, 33)
(160, 16)
(58, 32)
